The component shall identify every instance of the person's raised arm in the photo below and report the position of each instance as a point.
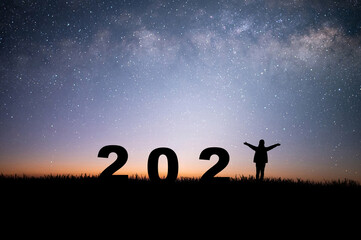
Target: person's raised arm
(272, 146)
(250, 145)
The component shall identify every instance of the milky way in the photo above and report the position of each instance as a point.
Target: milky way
(78, 75)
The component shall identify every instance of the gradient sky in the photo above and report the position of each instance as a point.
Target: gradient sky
(78, 75)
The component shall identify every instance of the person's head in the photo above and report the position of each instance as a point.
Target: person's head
(261, 143)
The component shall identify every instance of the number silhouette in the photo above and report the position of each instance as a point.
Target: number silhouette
(219, 166)
(122, 157)
(153, 161)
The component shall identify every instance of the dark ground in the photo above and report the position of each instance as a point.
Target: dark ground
(226, 193)
(187, 205)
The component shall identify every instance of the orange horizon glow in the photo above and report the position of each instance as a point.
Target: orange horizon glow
(98, 165)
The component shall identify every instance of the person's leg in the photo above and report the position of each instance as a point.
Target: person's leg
(262, 170)
(257, 171)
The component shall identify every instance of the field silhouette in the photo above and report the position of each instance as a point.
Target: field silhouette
(219, 188)
(7, 180)
(221, 204)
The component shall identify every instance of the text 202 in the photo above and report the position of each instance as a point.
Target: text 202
(153, 159)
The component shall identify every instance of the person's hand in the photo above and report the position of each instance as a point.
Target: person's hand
(278, 144)
(245, 143)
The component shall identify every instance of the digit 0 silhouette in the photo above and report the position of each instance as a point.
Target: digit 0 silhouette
(153, 161)
(260, 157)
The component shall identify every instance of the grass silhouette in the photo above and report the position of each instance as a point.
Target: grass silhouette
(238, 196)
(238, 181)
(84, 178)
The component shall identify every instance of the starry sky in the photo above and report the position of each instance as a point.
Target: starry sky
(78, 75)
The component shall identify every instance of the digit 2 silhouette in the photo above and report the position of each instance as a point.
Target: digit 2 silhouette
(153, 160)
(219, 166)
(122, 157)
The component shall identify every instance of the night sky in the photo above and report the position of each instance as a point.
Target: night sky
(78, 75)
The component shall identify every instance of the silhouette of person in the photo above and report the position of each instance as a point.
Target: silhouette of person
(260, 156)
